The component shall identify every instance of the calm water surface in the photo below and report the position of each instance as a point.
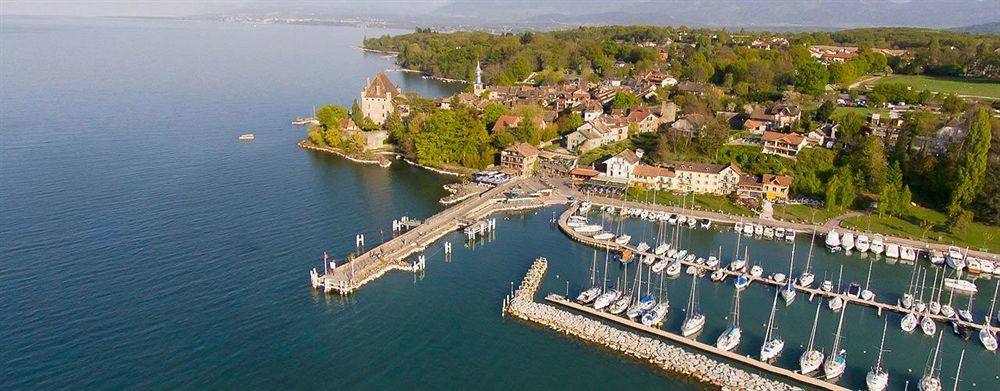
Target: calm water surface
(141, 245)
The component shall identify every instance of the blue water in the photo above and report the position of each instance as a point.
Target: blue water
(143, 246)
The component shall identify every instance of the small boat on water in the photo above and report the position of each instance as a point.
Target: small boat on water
(655, 316)
(246, 137)
(758, 230)
(712, 261)
(756, 271)
(909, 322)
(742, 282)
(732, 335)
(604, 236)
(861, 243)
(930, 381)
(642, 247)
(748, 229)
(826, 286)
(936, 257)
(706, 223)
(773, 344)
(878, 244)
(789, 235)
(854, 290)
(692, 222)
(778, 277)
(694, 321)
(907, 253)
(955, 259)
(648, 259)
(606, 298)
(847, 241)
(674, 268)
(779, 233)
(878, 378)
(928, 326)
(659, 250)
(589, 295)
(768, 233)
(621, 304)
(837, 362)
(836, 304)
(738, 227)
(681, 220)
(589, 229)
(892, 250)
(960, 285)
(718, 275)
(972, 265)
(832, 240)
(660, 265)
(623, 240)
(986, 335)
(810, 361)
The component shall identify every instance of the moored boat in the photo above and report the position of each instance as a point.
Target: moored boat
(847, 241)
(955, 258)
(810, 361)
(878, 244)
(861, 244)
(892, 250)
(832, 240)
(960, 285)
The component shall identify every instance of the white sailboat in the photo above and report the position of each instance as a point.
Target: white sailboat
(837, 362)
(731, 337)
(589, 295)
(867, 294)
(878, 378)
(773, 344)
(930, 381)
(933, 305)
(909, 322)
(807, 277)
(986, 335)
(655, 316)
(694, 321)
(812, 358)
(837, 302)
(788, 292)
(927, 325)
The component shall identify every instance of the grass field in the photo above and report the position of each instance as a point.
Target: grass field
(976, 236)
(865, 112)
(705, 202)
(958, 85)
(804, 214)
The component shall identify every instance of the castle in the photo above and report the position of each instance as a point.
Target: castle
(376, 98)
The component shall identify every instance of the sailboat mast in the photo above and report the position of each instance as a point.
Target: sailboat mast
(812, 334)
(840, 277)
(878, 364)
(770, 319)
(958, 372)
(992, 304)
(791, 263)
(810, 256)
(869, 279)
(736, 317)
(607, 255)
(909, 288)
(836, 339)
(941, 289)
(936, 351)
(934, 284)
(923, 284)
(593, 270)
(691, 301)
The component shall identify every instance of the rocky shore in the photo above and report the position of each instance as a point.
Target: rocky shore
(667, 357)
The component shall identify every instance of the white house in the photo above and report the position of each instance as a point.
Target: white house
(622, 164)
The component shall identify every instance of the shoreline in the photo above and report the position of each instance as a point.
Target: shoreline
(305, 144)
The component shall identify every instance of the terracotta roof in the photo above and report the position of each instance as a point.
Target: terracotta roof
(523, 149)
(506, 122)
(638, 116)
(643, 170)
(584, 171)
(752, 124)
(629, 156)
(708, 168)
(380, 86)
(790, 138)
(769, 179)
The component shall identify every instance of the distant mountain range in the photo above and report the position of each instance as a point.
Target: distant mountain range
(985, 28)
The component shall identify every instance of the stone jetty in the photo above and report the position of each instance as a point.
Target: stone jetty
(668, 357)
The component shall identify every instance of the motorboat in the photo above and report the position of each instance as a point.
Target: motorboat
(648, 259)
(907, 253)
(706, 223)
(748, 229)
(660, 265)
(585, 206)
(847, 241)
(672, 219)
(692, 222)
(246, 137)
(659, 250)
(642, 247)
(972, 265)
(756, 271)
(854, 290)
(789, 235)
(928, 326)
(806, 279)
(826, 286)
(861, 244)
(623, 240)
(682, 219)
(768, 233)
(589, 230)
(758, 230)
(589, 295)
(604, 236)
(936, 257)
(742, 282)
(738, 227)
(832, 240)
(892, 250)
(909, 322)
(955, 259)
(988, 266)
(960, 285)
(878, 244)
(779, 233)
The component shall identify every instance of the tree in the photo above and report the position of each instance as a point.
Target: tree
(885, 199)
(824, 111)
(903, 201)
(850, 127)
(329, 116)
(870, 162)
(960, 220)
(394, 126)
(491, 112)
(952, 104)
(811, 78)
(972, 164)
(624, 100)
(569, 122)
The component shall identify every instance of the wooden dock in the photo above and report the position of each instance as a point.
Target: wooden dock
(811, 292)
(392, 254)
(677, 339)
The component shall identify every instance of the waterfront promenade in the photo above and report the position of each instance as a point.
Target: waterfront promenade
(391, 255)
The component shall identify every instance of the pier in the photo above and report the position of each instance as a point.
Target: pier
(420, 235)
(663, 355)
(811, 292)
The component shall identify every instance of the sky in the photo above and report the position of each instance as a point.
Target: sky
(710, 13)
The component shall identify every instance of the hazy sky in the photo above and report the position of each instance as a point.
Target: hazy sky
(821, 13)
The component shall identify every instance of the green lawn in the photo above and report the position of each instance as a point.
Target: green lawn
(959, 85)
(976, 236)
(706, 202)
(803, 214)
(865, 112)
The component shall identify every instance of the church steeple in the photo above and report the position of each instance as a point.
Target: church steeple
(477, 87)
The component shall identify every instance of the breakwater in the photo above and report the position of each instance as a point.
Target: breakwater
(665, 356)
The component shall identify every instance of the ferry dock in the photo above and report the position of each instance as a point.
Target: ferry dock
(368, 266)
(704, 271)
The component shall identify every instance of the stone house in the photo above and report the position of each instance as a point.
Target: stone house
(766, 186)
(783, 144)
(376, 98)
(519, 159)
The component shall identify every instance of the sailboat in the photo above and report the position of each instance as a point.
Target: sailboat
(907, 300)
(646, 302)
(931, 381)
(623, 302)
(731, 337)
(867, 294)
(589, 295)
(933, 305)
(927, 325)
(739, 263)
(878, 378)
(788, 292)
(986, 334)
(835, 364)
(773, 344)
(958, 371)
(966, 314)
(918, 304)
(837, 302)
(807, 277)
(694, 321)
(812, 358)
(609, 295)
(909, 322)
(655, 316)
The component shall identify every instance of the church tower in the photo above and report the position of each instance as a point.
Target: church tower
(477, 87)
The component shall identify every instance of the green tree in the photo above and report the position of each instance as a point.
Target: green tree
(329, 116)
(569, 122)
(824, 111)
(972, 164)
(394, 126)
(903, 201)
(491, 112)
(871, 163)
(850, 127)
(624, 100)
(811, 78)
(952, 104)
